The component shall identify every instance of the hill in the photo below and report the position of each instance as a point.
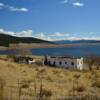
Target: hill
(76, 41)
(5, 40)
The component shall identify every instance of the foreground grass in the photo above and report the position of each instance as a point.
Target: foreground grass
(55, 81)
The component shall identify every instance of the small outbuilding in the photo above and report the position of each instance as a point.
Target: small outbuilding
(24, 60)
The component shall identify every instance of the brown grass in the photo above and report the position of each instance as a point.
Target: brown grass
(56, 81)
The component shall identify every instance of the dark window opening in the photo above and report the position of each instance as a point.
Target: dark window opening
(49, 62)
(72, 63)
(60, 62)
(54, 63)
(65, 62)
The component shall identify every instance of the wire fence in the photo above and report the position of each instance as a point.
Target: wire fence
(19, 92)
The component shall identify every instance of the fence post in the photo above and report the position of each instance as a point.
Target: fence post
(2, 83)
(19, 90)
(11, 92)
(35, 89)
(73, 88)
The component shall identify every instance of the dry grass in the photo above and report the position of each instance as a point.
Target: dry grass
(56, 81)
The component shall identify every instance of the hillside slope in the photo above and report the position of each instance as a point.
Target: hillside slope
(5, 40)
(56, 81)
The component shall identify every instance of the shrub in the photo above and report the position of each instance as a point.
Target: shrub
(77, 76)
(80, 88)
(24, 86)
(45, 93)
(56, 71)
(49, 78)
(42, 70)
(96, 84)
(11, 56)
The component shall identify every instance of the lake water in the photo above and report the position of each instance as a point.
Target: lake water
(69, 51)
(64, 51)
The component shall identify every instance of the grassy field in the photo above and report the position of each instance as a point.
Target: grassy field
(18, 81)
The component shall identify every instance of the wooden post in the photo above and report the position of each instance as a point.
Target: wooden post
(19, 90)
(73, 88)
(35, 88)
(11, 93)
(41, 90)
(1, 89)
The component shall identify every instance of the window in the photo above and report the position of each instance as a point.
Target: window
(54, 63)
(60, 62)
(72, 63)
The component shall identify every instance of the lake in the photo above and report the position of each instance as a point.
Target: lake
(63, 51)
(69, 51)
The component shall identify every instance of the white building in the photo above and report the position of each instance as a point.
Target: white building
(66, 62)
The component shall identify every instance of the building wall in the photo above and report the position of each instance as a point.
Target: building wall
(80, 63)
(69, 63)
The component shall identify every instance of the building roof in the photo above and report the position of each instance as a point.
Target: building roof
(64, 57)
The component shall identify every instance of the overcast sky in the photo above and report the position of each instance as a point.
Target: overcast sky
(51, 19)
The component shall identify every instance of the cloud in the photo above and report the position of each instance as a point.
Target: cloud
(73, 2)
(83, 38)
(51, 37)
(1, 4)
(6, 32)
(64, 1)
(27, 33)
(78, 4)
(13, 8)
(18, 9)
(43, 36)
(58, 34)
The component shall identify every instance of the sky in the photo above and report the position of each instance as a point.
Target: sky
(51, 19)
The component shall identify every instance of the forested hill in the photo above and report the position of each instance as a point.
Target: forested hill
(5, 40)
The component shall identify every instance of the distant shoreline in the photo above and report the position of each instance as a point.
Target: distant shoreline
(57, 45)
(47, 46)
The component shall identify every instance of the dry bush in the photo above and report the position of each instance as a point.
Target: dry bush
(40, 92)
(11, 56)
(96, 84)
(42, 70)
(46, 93)
(80, 88)
(25, 84)
(97, 75)
(49, 78)
(77, 76)
(39, 63)
(56, 71)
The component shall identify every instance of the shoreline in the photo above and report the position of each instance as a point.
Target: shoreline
(48, 46)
